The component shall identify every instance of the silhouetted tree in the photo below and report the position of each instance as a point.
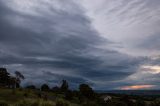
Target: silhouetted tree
(4, 77)
(64, 86)
(86, 91)
(12, 82)
(7, 80)
(19, 77)
(45, 87)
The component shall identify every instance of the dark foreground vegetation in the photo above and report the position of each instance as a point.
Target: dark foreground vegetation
(12, 94)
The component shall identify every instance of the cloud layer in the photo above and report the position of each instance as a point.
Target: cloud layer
(134, 24)
(53, 40)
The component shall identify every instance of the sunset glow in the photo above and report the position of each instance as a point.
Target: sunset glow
(137, 87)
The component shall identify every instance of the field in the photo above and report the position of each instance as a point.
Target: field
(35, 97)
(26, 97)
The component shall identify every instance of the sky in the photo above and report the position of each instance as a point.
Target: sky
(108, 44)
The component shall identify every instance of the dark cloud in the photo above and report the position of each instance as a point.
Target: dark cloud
(59, 44)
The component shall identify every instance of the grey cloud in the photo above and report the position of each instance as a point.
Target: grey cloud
(59, 41)
(151, 42)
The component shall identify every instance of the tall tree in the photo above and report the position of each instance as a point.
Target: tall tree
(86, 91)
(45, 87)
(4, 77)
(64, 86)
(12, 82)
(19, 77)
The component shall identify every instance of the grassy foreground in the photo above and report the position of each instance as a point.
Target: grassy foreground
(30, 97)
(26, 97)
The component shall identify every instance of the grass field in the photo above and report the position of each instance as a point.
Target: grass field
(28, 97)
(25, 97)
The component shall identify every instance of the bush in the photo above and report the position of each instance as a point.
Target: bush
(61, 102)
(3, 103)
(45, 87)
(86, 91)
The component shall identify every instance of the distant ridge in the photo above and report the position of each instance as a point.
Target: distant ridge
(132, 92)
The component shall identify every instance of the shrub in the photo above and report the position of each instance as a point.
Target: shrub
(64, 86)
(86, 91)
(61, 102)
(45, 87)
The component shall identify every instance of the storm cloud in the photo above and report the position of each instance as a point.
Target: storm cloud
(53, 40)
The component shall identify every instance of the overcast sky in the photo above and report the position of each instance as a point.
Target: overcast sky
(109, 44)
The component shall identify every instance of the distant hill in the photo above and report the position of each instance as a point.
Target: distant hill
(132, 92)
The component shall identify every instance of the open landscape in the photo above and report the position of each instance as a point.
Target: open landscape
(31, 97)
(79, 52)
(12, 94)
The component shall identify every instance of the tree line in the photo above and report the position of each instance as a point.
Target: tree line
(14, 81)
(10, 81)
(85, 95)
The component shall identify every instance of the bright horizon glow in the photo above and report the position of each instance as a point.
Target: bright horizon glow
(137, 87)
